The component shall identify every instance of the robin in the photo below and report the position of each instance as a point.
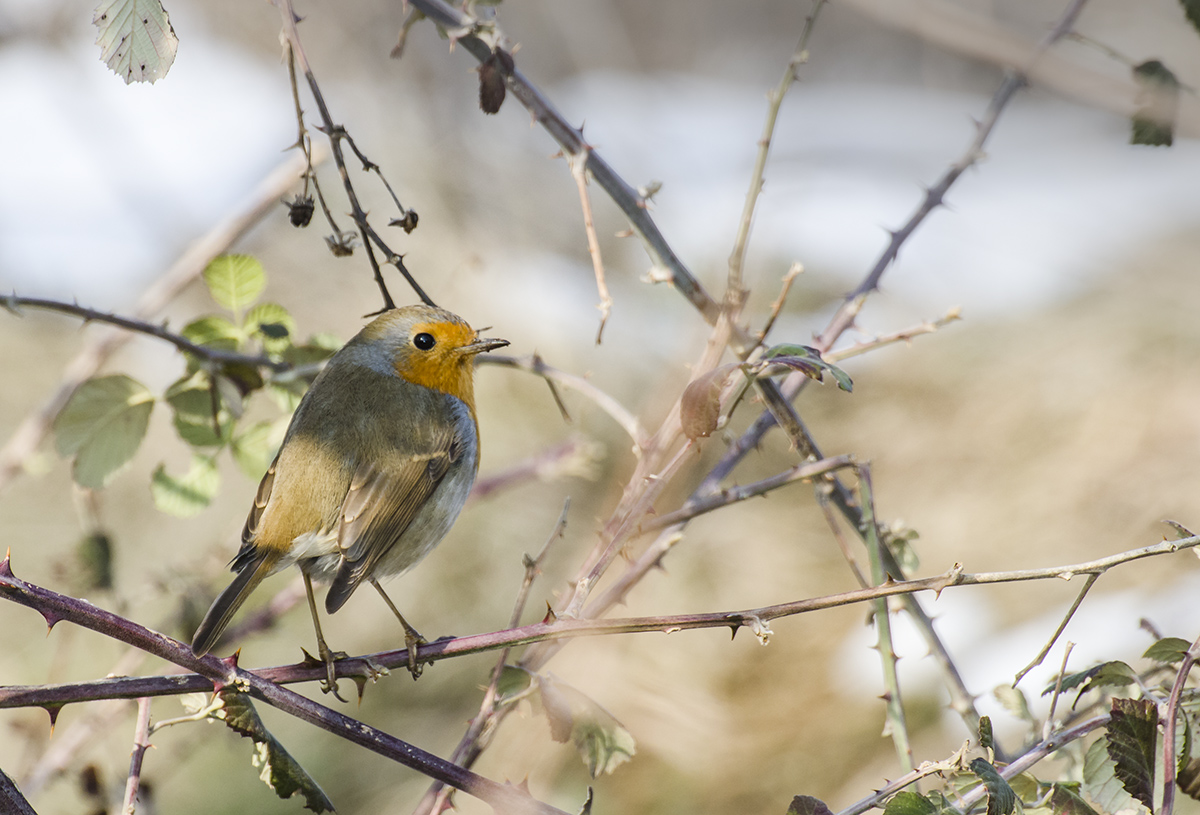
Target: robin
(375, 466)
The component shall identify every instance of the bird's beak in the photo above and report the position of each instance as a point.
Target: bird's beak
(482, 344)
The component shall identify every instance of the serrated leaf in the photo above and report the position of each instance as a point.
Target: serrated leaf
(1131, 736)
(807, 805)
(1157, 101)
(202, 418)
(1001, 800)
(279, 771)
(235, 281)
(602, 741)
(102, 425)
(986, 740)
(255, 447)
(1168, 650)
(1065, 800)
(1101, 785)
(1026, 786)
(1014, 701)
(189, 495)
(136, 39)
(213, 331)
(272, 325)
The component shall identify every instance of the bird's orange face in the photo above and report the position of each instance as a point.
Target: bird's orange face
(438, 356)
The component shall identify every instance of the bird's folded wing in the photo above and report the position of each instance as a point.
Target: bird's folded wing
(380, 504)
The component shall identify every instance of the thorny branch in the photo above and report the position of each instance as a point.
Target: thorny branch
(14, 303)
(56, 607)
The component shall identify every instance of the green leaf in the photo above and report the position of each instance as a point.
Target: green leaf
(102, 425)
(1101, 785)
(513, 684)
(1014, 701)
(279, 770)
(235, 281)
(1065, 800)
(1131, 736)
(1157, 103)
(255, 447)
(1001, 800)
(136, 39)
(202, 416)
(186, 496)
(909, 803)
(1114, 674)
(807, 805)
(1168, 650)
(213, 331)
(272, 325)
(809, 362)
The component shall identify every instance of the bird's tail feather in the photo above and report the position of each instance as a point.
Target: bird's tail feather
(229, 601)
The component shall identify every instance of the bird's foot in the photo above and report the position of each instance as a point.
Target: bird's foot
(412, 639)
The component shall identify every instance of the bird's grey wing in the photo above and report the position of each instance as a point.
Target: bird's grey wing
(379, 506)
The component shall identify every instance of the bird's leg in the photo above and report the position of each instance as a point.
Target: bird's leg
(412, 637)
(329, 683)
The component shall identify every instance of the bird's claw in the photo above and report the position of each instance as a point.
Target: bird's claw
(412, 639)
(329, 683)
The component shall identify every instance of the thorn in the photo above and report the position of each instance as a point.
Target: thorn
(550, 617)
(53, 710)
(6, 565)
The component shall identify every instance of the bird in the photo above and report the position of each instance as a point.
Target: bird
(375, 467)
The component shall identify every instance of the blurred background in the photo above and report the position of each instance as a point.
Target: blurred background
(1056, 423)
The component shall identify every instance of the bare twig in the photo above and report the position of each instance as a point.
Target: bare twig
(905, 335)
(897, 728)
(575, 457)
(578, 164)
(735, 293)
(1172, 715)
(793, 272)
(11, 799)
(14, 303)
(1087, 586)
(141, 741)
(534, 364)
(732, 495)
(1062, 671)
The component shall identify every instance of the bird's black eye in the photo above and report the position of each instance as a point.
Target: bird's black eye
(424, 341)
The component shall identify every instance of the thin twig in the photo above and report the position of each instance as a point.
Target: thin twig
(793, 272)
(534, 364)
(575, 457)
(927, 768)
(1087, 586)
(14, 303)
(733, 495)
(897, 727)
(578, 164)
(1062, 671)
(735, 293)
(141, 741)
(905, 335)
(1172, 716)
